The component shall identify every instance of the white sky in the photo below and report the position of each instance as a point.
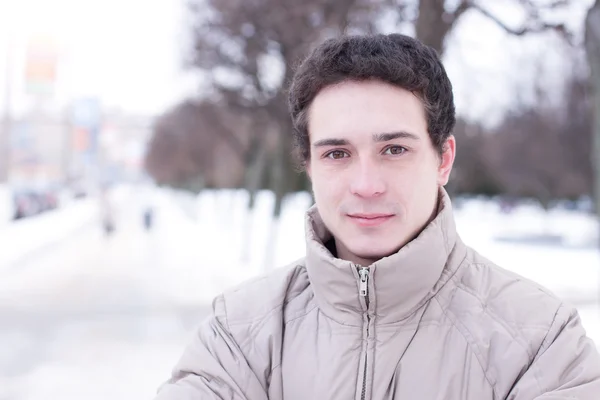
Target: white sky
(129, 53)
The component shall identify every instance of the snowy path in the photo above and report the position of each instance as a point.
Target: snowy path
(92, 318)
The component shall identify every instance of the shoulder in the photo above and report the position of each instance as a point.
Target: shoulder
(504, 316)
(248, 320)
(512, 299)
(273, 293)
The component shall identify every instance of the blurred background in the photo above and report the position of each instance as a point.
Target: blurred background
(145, 164)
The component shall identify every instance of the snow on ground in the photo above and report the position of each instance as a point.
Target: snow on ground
(217, 244)
(24, 237)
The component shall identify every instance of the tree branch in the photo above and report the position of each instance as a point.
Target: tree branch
(463, 7)
(534, 25)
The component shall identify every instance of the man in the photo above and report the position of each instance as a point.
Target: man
(388, 302)
(107, 212)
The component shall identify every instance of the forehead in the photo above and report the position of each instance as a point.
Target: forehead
(355, 110)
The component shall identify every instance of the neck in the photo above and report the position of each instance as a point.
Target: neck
(345, 254)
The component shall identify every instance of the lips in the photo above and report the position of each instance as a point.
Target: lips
(369, 220)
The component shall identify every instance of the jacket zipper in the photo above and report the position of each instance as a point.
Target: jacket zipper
(363, 291)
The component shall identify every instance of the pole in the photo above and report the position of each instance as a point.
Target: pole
(592, 44)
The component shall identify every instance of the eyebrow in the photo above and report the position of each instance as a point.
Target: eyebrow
(378, 137)
(331, 142)
(386, 137)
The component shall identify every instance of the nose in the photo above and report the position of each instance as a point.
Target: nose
(367, 180)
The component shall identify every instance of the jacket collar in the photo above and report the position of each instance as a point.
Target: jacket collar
(398, 284)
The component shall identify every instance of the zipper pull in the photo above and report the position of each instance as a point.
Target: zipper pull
(364, 280)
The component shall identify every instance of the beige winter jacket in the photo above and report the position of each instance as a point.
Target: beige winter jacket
(434, 321)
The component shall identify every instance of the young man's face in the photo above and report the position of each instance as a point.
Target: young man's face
(374, 170)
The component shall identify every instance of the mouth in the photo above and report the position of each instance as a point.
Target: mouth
(370, 220)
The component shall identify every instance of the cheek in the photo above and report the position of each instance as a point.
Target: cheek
(328, 190)
(427, 170)
(413, 183)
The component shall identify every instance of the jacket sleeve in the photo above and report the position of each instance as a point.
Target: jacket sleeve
(567, 365)
(213, 366)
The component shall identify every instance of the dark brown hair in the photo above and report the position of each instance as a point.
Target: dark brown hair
(396, 59)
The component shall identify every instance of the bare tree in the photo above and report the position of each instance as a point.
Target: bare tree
(250, 48)
(592, 44)
(197, 144)
(543, 151)
(435, 19)
(472, 172)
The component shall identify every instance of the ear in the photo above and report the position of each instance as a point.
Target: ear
(447, 161)
(307, 169)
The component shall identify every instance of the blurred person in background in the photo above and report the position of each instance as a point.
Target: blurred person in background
(388, 303)
(107, 212)
(148, 217)
(148, 201)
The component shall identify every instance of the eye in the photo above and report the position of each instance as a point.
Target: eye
(336, 154)
(395, 150)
